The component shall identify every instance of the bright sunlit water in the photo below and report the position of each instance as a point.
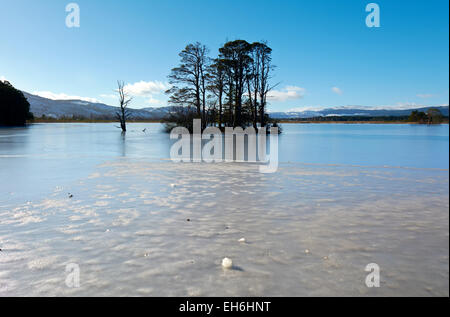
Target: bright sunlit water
(350, 194)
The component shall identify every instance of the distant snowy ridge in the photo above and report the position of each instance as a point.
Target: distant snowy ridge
(90, 110)
(347, 111)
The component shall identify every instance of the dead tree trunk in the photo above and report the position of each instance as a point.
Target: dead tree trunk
(124, 100)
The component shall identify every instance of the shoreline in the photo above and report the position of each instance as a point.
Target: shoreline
(356, 122)
(281, 122)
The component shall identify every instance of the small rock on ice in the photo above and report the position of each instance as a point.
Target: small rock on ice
(241, 240)
(227, 263)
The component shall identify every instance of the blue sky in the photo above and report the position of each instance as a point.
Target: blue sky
(324, 52)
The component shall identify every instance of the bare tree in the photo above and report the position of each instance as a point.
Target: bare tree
(124, 101)
(188, 80)
(235, 56)
(265, 73)
(253, 80)
(216, 79)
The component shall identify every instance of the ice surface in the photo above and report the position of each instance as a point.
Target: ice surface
(127, 229)
(137, 224)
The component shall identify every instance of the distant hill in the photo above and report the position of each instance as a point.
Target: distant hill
(58, 109)
(158, 112)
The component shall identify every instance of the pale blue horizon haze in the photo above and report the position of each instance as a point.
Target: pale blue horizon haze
(325, 54)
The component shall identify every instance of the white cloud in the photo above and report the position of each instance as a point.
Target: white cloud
(336, 90)
(62, 96)
(108, 96)
(307, 108)
(2, 78)
(149, 99)
(155, 102)
(404, 105)
(425, 95)
(287, 93)
(146, 88)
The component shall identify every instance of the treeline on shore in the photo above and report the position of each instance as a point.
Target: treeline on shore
(374, 119)
(433, 117)
(327, 119)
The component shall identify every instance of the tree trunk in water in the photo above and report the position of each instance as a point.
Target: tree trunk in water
(220, 110)
(262, 114)
(123, 124)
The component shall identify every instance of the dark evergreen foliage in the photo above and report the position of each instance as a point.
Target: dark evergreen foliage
(14, 107)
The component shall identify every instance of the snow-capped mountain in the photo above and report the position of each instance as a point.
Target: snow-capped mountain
(350, 111)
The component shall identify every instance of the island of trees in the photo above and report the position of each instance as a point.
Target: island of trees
(14, 107)
(229, 90)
